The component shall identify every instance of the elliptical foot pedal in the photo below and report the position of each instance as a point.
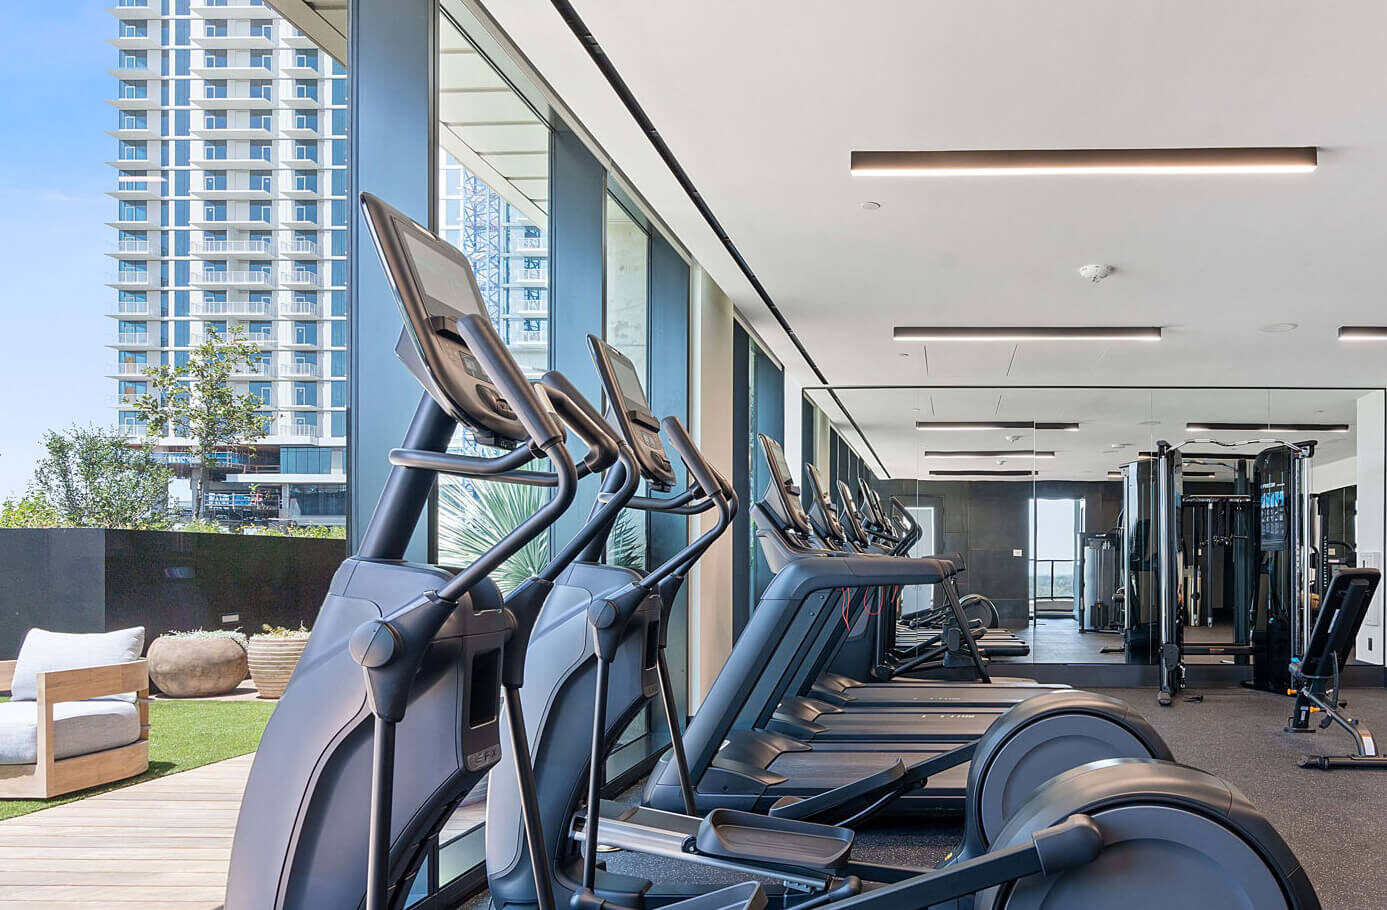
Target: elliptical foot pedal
(1163, 699)
(736, 835)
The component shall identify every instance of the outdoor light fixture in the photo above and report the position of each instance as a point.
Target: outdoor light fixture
(1037, 162)
(1363, 333)
(1019, 453)
(991, 425)
(1027, 333)
(982, 473)
(1267, 427)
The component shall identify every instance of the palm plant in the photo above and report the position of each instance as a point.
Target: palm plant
(473, 517)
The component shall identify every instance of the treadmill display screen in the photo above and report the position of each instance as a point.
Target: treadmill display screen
(630, 384)
(445, 284)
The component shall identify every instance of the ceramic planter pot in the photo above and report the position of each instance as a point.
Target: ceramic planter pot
(272, 662)
(196, 667)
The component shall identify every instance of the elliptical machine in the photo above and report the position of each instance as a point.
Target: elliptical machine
(335, 813)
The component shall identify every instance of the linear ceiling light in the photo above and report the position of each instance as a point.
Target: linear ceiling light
(1363, 333)
(1267, 427)
(1000, 162)
(1014, 453)
(1114, 475)
(1027, 333)
(1196, 473)
(991, 425)
(982, 473)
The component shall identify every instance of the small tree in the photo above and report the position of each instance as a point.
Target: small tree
(32, 510)
(93, 478)
(196, 398)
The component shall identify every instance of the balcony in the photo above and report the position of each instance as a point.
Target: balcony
(529, 276)
(259, 369)
(137, 188)
(299, 308)
(233, 131)
(130, 308)
(303, 102)
(131, 40)
(297, 69)
(131, 368)
(219, 42)
(227, 10)
(292, 428)
(532, 244)
(135, 340)
(237, 279)
(301, 278)
(231, 308)
(129, 278)
(528, 337)
(232, 164)
(234, 103)
(297, 341)
(230, 73)
(303, 192)
(134, 430)
(132, 249)
(298, 369)
(529, 309)
(299, 249)
(136, 73)
(234, 192)
(132, 223)
(136, 133)
(251, 249)
(261, 338)
(297, 219)
(229, 223)
(135, 103)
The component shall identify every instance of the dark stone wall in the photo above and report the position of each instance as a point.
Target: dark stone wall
(93, 580)
(988, 520)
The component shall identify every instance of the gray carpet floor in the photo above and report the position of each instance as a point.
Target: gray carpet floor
(1336, 821)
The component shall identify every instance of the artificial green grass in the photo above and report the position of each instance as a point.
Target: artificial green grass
(182, 735)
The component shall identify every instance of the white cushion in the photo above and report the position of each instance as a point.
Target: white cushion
(43, 650)
(79, 727)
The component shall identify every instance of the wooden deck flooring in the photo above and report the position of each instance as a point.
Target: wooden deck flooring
(160, 845)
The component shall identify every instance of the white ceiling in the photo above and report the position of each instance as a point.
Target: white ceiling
(1114, 424)
(762, 103)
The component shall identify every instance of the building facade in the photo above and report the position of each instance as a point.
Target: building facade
(231, 217)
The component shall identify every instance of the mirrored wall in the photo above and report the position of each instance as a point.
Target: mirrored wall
(1049, 496)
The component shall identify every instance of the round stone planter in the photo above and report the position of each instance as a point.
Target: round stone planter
(272, 662)
(196, 667)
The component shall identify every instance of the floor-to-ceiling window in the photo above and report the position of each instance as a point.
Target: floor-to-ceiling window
(492, 203)
(1054, 526)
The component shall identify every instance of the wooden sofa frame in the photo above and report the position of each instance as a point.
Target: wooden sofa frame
(49, 776)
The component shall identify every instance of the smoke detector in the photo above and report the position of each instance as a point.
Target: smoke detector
(1095, 272)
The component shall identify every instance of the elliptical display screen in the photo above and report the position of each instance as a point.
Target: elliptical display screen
(446, 285)
(436, 289)
(624, 372)
(629, 411)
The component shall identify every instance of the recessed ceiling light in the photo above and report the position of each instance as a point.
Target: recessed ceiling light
(1035, 162)
(1203, 427)
(870, 206)
(1027, 333)
(1149, 423)
(984, 472)
(991, 453)
(1363, 333)
(903, 354)
(1277, 328)
(961, 425)
(1118, 445)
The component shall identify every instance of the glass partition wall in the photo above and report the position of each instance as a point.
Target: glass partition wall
(1051, 495)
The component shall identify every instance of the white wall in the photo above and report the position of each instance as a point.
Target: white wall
(1369, 526)
(1333, 475)
(710, 410)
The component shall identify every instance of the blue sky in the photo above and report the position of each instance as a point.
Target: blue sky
(53, 214)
